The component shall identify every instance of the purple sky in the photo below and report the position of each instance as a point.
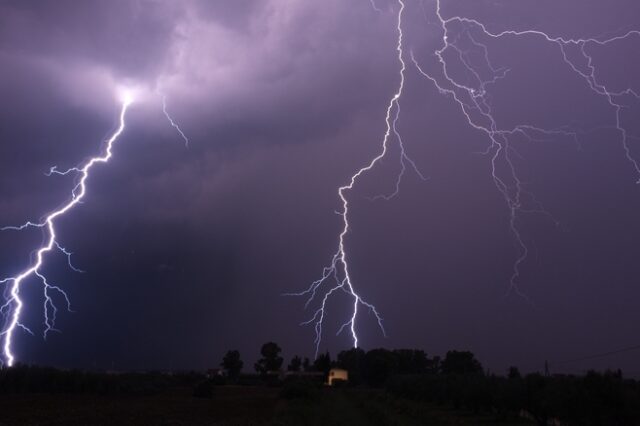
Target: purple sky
(188, 250)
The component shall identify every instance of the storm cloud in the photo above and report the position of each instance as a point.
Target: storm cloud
(188, 250)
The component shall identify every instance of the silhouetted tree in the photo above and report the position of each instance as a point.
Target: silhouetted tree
(433, 365)
(379, 364)
(271, 359)
(514, 373)
(295, 364)
(323, 363)
(411, 361)
(352, 361)
(232, 363)
(306, 364)
(461, 362)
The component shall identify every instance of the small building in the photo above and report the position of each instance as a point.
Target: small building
(337, 375)
(215, 372)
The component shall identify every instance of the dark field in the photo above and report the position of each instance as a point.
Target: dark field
(232, 405)
(384, 388)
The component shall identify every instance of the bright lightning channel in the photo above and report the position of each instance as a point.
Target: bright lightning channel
(475, 104)
(12, 309)
(337, 276)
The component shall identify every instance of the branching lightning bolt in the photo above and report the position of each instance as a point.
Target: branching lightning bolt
(12, 308)
(474, 102)
(337, 276)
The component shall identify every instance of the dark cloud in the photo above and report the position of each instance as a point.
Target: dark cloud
(187, 251)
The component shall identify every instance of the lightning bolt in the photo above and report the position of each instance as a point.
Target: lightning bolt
(475, 105)
(12, 308)
(374, 6)
(474, 102)
(336, 277)
(173, 123)
(588, 73)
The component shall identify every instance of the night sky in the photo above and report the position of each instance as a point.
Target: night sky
(188, 250)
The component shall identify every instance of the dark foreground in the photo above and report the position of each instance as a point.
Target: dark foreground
(379, 392)
(234, 405)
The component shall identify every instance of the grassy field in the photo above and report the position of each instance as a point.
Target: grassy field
(231, 405)
(241, 405)
(369, 407)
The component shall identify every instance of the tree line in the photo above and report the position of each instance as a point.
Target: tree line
(372, 367)
(456, 380)
(459, 381)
